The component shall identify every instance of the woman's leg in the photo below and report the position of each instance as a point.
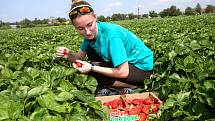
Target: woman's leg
(103, 81)
(136, 76)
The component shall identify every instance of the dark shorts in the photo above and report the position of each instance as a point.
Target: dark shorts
(135, 77)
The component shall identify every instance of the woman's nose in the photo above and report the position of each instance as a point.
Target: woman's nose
(87, 31)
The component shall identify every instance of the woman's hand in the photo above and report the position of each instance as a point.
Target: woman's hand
(62, 52)
(82, 66)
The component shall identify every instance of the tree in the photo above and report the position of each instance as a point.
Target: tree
(198, 8)
(4, 25)
(165, 12)
(118, 16)
(210, 9)
(172, 11)
(131, 16)
(145, 15)
(189, 11)
(101, 18)
(61, 20)
(25, 23)
(153, 14)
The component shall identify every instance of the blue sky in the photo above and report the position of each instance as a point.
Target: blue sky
(16, 10)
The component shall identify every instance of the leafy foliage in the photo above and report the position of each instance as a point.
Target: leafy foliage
(35, 85)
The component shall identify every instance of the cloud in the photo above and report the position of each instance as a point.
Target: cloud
(111, 6)
(115, 4)
(164, 0)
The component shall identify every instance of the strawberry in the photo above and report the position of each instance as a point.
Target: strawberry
(136, 101)
(79, 65)
(65, 52)
(135, 110)
(147, 101)
(115, 103)
(155, 108)
(143, 117)
(145, 109)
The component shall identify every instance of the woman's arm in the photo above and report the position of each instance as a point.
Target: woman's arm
(80, 55)
(121, 71)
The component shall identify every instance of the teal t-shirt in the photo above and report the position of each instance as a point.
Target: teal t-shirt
(118, 45)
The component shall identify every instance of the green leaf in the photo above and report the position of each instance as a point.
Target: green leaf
(172, 54)
(39, 114)
(87, 98)
(48, 101)
(80, 80)
(175, 76)
(183, 98)
(170, 102)
(177, 113)
(70, 71)
(188, 61)
(22, 91)
(37, 91)
(52, 118)
(45, 75)
(95, 105)
(6, 73)
(78, 109)
(210, 84)
(64, 96)
(34, 72)
(67, 86)
(194, 45)
(91, 84)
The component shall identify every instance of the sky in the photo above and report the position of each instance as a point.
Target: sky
(17, 10)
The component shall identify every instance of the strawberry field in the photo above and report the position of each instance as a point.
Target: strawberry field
(37, 86)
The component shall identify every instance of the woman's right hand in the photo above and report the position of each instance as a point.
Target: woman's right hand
(62, 52)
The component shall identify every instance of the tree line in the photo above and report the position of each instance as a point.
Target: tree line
(168, 12)
(171, 11)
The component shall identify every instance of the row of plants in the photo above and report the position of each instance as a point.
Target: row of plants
(35, 85)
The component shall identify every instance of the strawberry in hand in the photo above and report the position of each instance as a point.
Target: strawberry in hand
(79, 65)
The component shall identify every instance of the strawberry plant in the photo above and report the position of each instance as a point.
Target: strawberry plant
(35, 85)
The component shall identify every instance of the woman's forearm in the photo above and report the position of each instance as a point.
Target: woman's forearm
(120, 72)
(73, 57)
(80, 55)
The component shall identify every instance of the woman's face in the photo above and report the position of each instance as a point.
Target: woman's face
(86, 25)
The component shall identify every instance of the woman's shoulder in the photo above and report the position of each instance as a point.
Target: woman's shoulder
(110, 25)
(110, 28)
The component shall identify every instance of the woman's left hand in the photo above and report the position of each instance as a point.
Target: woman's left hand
(82, 66)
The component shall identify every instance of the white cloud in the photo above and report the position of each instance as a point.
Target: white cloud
(111, 6)
(115, 4)
(164, 0)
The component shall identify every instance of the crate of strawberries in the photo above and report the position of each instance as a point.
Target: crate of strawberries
(131, 107)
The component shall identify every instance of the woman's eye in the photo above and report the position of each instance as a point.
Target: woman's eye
(90, 24)
(80, 28)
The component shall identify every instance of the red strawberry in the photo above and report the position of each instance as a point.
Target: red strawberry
(155, 108)
(136, 101)
(135, 110)
(79, 65)
(143, 117)
(115, 103)
(65, 52)
(145, 109)
(147, 101)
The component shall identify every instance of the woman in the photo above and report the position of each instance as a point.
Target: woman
(118, 58)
